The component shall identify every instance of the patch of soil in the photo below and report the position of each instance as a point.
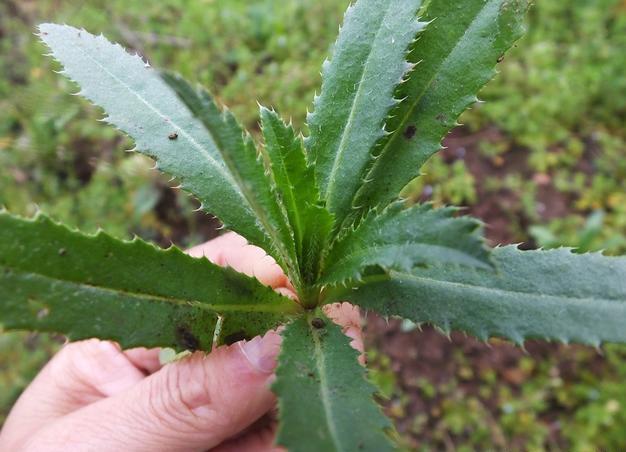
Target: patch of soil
(428, 354)
(501, 210)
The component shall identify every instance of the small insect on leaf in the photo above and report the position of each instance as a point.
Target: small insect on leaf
(409, 132)
(173, 136)
(318, 323)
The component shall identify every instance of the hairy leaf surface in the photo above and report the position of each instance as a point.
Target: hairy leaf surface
(456, 56)
(552, 294)
(368, 62)
(401, 238)
(325, 402)
(56, 279)
(297, 190)
(240, 156)
(139, 103)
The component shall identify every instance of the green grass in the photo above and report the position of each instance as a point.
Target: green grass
(558, 108)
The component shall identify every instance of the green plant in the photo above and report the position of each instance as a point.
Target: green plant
(326, 208)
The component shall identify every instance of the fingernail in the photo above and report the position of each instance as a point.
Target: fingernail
(261, 352)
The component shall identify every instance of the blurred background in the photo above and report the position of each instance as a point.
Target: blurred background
(542, 162)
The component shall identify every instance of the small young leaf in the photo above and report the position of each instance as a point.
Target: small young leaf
(297, 191)
(552, 294)
(456, 56)
(401, 238)
(55, 279)
(368, 62)
(142, 105)
(324, 401)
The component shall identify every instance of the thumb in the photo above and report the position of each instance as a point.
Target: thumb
(192, 404)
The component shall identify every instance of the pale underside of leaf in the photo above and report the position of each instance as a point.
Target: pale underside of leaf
(401, 238)
(325, 401)
(139, 103)
(55, 279)
(358, 83)
(554, 295)
(456, 56)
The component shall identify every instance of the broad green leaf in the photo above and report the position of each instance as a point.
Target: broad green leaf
(368, 62)
(552, 294)
(400, 238)
(324, 400)
(297, 190)
(456, 56)
(55, 279)
(247, 167)
(139, 103)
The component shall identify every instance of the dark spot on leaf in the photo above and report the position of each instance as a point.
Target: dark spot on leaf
(500, 58)
(173, 136)
(310, 374)
(235, 337)
(440, 117)
(409, 132)
(186, 339)
(62, 251)
(318, 323)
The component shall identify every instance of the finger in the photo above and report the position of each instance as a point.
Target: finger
(192, 404)
(234, 251)
(79, 374)
(349, 318)
(259, 437)
(145, 359)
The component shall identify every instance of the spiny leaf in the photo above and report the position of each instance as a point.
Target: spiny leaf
(401, 238)
(368, 62)
(456, 56)
(55, 279)
(246, 166)
(297, 191)
(142, 105)
(325, 402)
(552, 294)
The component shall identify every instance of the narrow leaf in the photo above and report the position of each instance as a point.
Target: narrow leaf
(247, 167)
(456, 56)
(401, 238)
(139, 103)
(368, 62)
(297, 190)
(55, 279)
(324, 401)
(552, 294)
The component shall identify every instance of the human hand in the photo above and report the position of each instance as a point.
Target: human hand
(92, 396)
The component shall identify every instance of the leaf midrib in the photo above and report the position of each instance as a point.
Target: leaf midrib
(325, 395)
(252, 307)
(412, 105)
(182, 131)
(556, 298)
(357, 101)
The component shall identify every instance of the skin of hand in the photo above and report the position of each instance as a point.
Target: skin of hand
(92, 396)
